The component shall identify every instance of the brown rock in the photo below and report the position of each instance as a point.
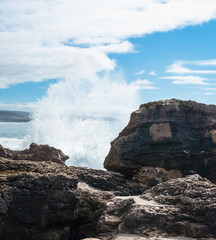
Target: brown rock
(3, 152)
(150, 176)
(40, 153)
(172, 134)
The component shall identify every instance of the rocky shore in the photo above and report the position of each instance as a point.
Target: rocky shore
(160, 183)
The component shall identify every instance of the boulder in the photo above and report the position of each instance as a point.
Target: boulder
(171, 134)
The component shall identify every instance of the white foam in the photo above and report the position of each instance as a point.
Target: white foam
(12, 143)
(82, 117)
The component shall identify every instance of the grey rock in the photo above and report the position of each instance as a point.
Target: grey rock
(178, 207)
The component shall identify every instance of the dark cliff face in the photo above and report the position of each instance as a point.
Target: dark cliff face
(171, 134)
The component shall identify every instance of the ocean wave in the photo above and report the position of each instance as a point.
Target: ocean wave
(82, 116)
(13, 130)
(12, 143)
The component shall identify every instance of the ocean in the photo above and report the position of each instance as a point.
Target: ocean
(13, 135)
(86, 140)
(84, 136)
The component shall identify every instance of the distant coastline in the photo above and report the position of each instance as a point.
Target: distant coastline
(14, 116)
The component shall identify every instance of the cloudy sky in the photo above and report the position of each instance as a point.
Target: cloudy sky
(163, 48)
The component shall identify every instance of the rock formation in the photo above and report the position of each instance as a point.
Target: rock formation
(48, 200)
(35, 153)
(41, 198)
(178, 136)
(184, 206)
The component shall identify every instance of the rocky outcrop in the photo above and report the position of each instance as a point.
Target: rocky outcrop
(36, 153)
(51, 201)
(171, 135)
(47, 200)
(184, 206)
(42, 198)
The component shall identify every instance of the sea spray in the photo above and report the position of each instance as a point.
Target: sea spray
(13, 134)
(82, 116)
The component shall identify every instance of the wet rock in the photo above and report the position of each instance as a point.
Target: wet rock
(171, 134)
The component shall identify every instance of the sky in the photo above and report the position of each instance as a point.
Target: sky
(163, 49)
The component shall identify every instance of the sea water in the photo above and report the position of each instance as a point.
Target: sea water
(13, 134)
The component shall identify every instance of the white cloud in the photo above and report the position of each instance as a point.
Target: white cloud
(211, 62)
(178, 67)
(143, 84)
(60, 38)
(208, 93)
(26, 106)
(152, 73)
(187, 80)
(211, 89)
(140, 72)
(33, 33)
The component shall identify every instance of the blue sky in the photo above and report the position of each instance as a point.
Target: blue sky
(157, 51)
(168, 55)
(77, 64)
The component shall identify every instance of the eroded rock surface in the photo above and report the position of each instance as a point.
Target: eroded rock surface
(50, 201)
(171, 134)
(179, 207)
